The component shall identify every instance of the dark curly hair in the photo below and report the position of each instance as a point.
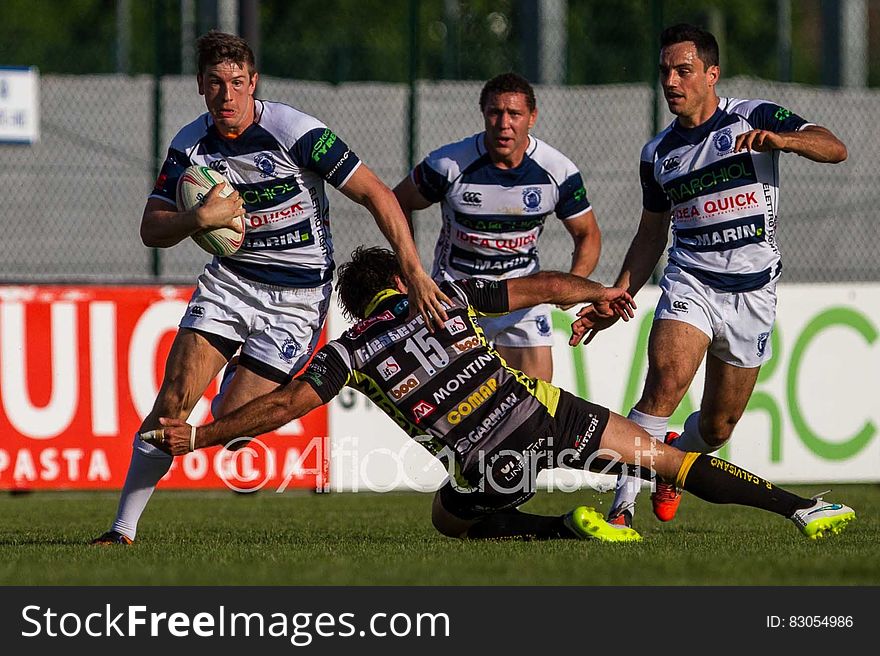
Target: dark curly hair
(370, 270)
(216, 47)
(507, 83)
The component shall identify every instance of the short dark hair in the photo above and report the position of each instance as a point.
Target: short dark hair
(507, 83)
(704, 41)
(216, 47)
(370, 270)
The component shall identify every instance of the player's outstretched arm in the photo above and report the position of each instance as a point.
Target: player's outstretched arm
(566, 289)
(813, 142)
(425, 297)
(642, 256)
(162, 226)
(410, 199)
(263, 414)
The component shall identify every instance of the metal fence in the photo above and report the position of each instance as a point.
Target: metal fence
(73, 201)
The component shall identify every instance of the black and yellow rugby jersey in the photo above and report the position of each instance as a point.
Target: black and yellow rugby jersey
(449, 385)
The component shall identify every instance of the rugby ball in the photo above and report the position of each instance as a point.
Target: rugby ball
(192, 187)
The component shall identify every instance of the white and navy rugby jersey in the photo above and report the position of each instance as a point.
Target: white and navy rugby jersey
(492, 217)
(724, 204)
(278, 165)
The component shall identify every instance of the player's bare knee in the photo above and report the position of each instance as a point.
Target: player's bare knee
(661, 396)
(716, 431)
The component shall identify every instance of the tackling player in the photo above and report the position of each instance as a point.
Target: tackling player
(495, 427)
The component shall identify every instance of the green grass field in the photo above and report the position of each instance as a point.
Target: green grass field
(219, 538)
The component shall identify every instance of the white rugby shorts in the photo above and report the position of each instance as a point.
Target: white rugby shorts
(738, 323)
(278, 326)
(527, 327)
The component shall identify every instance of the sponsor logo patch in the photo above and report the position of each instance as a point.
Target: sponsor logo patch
(405, 387)
(455, 325)
(388, 368)
(466, 344)
(671, 163)
(219, 165)
(476, 398)
(422, 409)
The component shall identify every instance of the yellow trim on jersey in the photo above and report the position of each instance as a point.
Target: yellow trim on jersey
(378, 298)
(686, 465)
(546, 393)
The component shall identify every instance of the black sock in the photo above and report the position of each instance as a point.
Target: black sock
(717, 481)
(516, 524)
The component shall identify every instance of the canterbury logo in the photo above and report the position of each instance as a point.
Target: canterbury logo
(471, 198)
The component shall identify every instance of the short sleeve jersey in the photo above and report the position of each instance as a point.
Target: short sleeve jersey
(279, 165)
(724, 204)
(492, 217)
(448, 385)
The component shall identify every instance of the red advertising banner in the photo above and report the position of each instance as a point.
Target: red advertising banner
(80, 367)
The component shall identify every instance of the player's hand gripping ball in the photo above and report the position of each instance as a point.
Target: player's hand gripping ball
(193, 186)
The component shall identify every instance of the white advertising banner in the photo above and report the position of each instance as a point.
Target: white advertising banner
(19, 104)
(813, 416)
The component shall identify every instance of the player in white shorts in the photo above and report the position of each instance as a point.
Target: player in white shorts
(495, 190)
(268, 301)
(714, 175)
(738, 325)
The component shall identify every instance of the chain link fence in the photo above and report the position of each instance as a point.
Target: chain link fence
(73, 201)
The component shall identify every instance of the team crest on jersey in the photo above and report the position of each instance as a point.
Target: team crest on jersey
(723, 141)
(531, 198)
(543, 325)
(219, 165)
(762, 343)
(289, 350)
(388, 368)
(266, 163)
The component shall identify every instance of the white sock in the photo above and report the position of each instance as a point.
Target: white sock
(690, 438)
(628, 486)
(148, 464)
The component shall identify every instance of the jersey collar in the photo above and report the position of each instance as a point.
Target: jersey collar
(378, 298)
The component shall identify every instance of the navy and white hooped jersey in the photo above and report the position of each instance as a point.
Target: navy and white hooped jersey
(492, 217)
(278, 165)
(724, 204)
